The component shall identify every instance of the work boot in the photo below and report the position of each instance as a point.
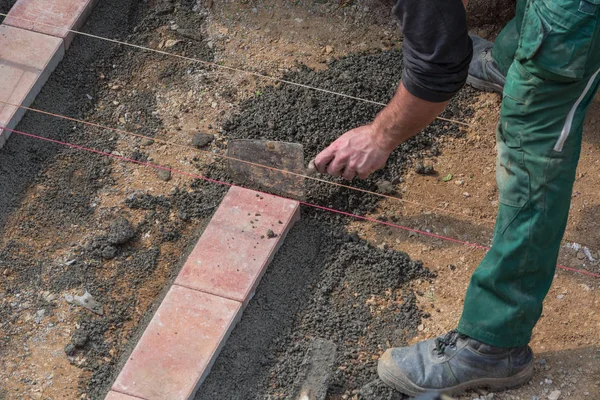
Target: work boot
(484, 73)
(454, 363)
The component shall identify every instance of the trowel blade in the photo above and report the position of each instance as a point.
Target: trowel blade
(320, 364)
(282, 156)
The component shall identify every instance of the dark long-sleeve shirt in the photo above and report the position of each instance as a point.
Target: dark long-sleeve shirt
(437, 48)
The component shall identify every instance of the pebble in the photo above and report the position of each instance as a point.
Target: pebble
(202, 139)
(87, 301)
(39, 315)
(120, 232)
(109, 252)
(164, 175)
(147, 142)
(171, 43)
(385, 187)
(311, 170)
(70, 350)
(48, 297)
(422, 169)
(554, 395)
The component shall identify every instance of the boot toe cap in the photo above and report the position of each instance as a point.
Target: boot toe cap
(392, 374)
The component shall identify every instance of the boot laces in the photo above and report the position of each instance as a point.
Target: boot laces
(448, 340)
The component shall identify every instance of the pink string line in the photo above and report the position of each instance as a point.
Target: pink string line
(323, 208)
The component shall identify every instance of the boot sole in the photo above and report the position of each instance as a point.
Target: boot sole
(401, 383)
(486, 86)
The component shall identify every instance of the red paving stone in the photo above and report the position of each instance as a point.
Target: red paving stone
(234, 250)
(119, 396)
(179, 345)
(26, 61)
(52, 17)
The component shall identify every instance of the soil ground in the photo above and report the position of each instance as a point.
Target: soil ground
(5, 6)
(58, 211)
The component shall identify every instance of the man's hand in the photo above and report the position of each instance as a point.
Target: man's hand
(364, 150)
(355, 153)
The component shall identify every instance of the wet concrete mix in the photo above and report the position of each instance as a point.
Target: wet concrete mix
(323, 286)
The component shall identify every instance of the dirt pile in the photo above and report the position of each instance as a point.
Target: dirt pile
(315, 119)
(66, 241)
(328, 285)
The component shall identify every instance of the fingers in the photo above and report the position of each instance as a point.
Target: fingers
(323, 159)
(364, 175)
(348, 173)
(337, 166)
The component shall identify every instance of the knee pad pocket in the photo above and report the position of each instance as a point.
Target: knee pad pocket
(556, 38)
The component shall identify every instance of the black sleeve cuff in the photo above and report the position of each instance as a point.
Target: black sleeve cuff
(437, 48)
(424, 93)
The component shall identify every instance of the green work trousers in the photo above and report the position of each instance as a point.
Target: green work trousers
(551, 57)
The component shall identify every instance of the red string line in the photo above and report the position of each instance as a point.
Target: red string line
(323, 208)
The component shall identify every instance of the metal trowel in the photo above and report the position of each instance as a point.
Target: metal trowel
(281, 156)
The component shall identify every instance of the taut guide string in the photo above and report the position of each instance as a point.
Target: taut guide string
(381, 195)
(212, 64)
(234, 69)
(328, 209)
(223, 156)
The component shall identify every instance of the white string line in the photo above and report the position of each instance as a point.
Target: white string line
(254, 164)
(213, 64)
(225, 67)
(223, 156)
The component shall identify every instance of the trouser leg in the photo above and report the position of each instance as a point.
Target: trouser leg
(505, 45)
(550, 83)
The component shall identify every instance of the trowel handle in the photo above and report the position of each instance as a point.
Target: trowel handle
(311, 170)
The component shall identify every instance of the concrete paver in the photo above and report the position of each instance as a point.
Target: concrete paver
(179, 345)
(119, 396)
(26, 61)
(235, 248)
(52, 17)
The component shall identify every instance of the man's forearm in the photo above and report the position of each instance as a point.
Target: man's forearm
(404, 117)
(437, 51)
